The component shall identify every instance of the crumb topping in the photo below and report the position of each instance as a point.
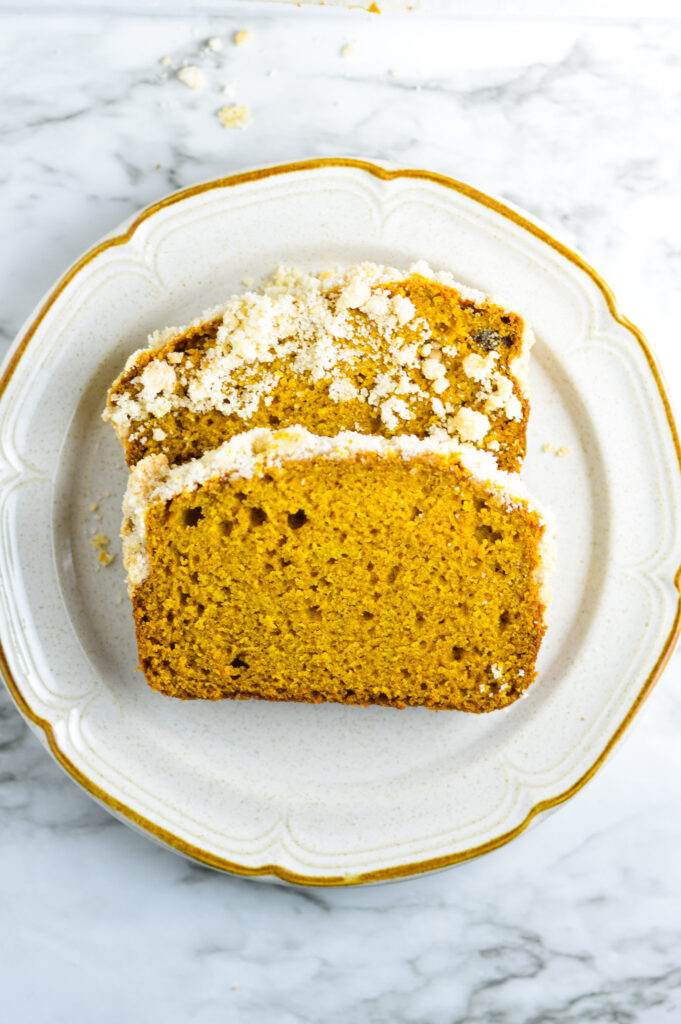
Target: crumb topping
(321, 324)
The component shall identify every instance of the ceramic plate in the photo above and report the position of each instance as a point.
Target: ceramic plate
(328, 794)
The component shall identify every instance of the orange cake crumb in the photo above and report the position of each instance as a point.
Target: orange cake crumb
(101, 545)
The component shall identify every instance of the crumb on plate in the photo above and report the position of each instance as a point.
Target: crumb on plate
(101, 544)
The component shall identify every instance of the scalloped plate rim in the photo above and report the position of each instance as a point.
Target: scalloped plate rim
(43, 727)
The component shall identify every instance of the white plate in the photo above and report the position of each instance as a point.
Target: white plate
(328, 794)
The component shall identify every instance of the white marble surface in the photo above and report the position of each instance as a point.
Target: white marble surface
(578, 920)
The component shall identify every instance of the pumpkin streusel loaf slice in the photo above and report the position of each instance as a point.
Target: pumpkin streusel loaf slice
(369, 348)
(358, 569)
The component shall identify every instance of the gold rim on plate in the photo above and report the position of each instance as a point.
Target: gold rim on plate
(404, 870)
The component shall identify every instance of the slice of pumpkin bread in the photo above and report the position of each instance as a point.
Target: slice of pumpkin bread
(369, 348)
(358, 569)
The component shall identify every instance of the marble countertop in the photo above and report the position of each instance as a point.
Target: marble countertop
(580, 918)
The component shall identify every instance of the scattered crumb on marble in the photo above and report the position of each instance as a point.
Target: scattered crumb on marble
(349, 48)
(564, 450)
(192, 77)
(247, 282)
(214, 44)
(547, 447)
(101, 544)
(243, 37)
(235, 115)
(93, 506)
(392, 72)
(271, 73)
(229, 89)
(166, 61)
(235, 988)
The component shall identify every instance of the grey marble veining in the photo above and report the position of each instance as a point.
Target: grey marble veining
(579, 920)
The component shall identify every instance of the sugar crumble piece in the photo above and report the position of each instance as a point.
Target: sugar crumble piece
(433, 369)
(101, 544)
(235, 115)
(229, 89)
(166, 61)
(214, 44)
(243, 37)
(93, 506)
(311, 319)
(349, 49)
(342, 390)
(470, 425)
(480, 368)
(564, 450)
(192, 77)
(547, 447)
